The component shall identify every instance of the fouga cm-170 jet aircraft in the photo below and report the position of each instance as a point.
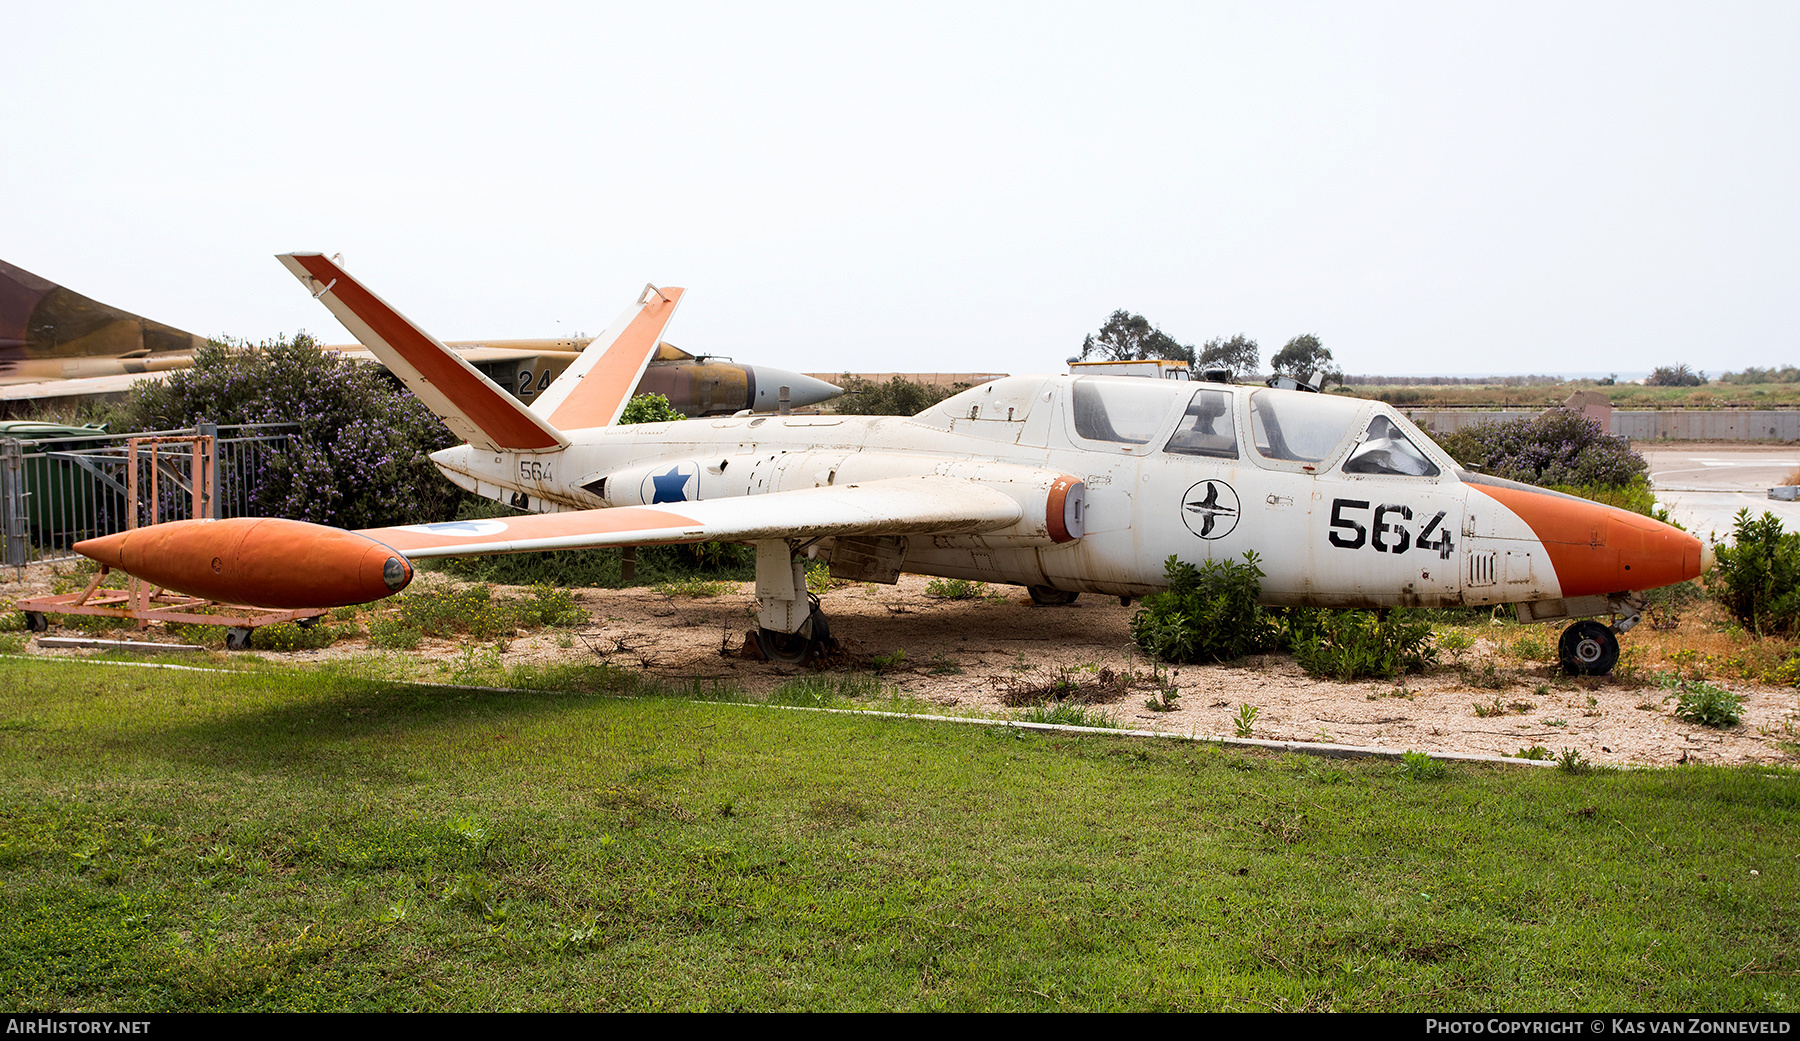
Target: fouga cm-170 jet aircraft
(1062, 484)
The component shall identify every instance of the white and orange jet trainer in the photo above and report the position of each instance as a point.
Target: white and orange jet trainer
(1062, 484)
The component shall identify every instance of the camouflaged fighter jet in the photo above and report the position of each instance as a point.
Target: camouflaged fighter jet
(57, 344)
(1062, 484)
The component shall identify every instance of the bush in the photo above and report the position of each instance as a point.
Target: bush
(1757, 577)
(1558, 448)
(1208, 613)
(896, 397)
(1351, 645)
(360, 457)
(649, 408)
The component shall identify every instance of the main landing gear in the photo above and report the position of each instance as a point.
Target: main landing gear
(812, 638)
(1588, 648)
(790, 627)
(1048, 596)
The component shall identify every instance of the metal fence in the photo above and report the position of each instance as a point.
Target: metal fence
(56, 492)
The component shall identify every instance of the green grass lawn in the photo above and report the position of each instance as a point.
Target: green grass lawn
(267, 840)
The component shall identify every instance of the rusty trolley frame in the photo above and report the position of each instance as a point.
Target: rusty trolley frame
(139, 600)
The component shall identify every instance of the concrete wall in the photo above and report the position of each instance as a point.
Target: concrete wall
(1645, 425)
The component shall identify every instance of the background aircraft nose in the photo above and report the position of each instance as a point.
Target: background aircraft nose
(803, 390)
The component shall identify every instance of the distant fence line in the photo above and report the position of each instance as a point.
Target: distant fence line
(54, 492)
(1725, 424)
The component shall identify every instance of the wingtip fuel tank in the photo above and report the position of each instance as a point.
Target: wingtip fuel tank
(262, 562)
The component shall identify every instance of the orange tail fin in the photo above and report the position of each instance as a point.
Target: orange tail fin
(593, 391)
(474, 407)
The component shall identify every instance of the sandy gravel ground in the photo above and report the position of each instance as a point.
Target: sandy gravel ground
(975, 655)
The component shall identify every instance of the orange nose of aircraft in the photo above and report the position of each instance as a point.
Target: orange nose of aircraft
(1598, 550)
(262, 562)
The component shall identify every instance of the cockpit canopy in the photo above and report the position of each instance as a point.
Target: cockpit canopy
(1275, 429)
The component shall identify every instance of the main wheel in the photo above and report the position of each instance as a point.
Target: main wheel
(237, 638)
(36, 621)
(1588, 649)
(1046, 596)
(795, 647)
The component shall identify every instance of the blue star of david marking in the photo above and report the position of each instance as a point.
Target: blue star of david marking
(670, 487)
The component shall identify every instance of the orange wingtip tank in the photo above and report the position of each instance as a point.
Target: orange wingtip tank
(262, 562)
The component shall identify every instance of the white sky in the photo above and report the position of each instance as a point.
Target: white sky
(1462, 187)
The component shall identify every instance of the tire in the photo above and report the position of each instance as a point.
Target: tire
(1588, 648)
(795, 648)
(237, 639)
(1046, 596)
(37, 622)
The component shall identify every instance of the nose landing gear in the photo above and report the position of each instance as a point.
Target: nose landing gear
(1588, 648)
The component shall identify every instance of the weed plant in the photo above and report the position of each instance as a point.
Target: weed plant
(596, 568)
(1244, 724)
(1208, 614)
(1697, 701)
(472, 611)
(1070, 713)
(1418, 766)
(957, 589)
(1351, 645)
(289, 636)
(695, 587)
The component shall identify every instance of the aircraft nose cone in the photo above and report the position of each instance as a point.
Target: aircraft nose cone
(1652, 554)
(803, 390)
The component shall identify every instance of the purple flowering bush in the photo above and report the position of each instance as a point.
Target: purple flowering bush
(359, 459)
(1560, 447)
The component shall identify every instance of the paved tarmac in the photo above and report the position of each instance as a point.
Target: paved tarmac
(1705, 485)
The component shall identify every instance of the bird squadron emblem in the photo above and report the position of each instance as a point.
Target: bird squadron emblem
(1210, 509)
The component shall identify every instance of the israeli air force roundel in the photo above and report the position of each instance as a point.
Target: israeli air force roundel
(1210, 509)
(679, 483)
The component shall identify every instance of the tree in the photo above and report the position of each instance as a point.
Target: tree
(1131, 337)
(1674, 376)
(1240, 354)
(1303, 356)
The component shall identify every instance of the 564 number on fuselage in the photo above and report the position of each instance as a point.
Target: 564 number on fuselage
(1385, 532)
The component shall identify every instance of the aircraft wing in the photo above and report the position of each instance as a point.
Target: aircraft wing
(896, 506)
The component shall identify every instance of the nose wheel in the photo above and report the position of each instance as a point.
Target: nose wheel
(1588, 648)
